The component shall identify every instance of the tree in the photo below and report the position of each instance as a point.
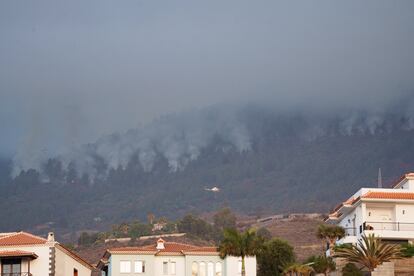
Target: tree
(224, 219)
(137, 229)
(370, 252)
(238, 244)
(273, 256)
(331, 233)
(322, 264)
(197, 227)
(297, 270)
(264, 233)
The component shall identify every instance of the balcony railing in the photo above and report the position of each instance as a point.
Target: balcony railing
(388, 226)
(16, 274)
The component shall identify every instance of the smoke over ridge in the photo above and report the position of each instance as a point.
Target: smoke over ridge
(181, 137)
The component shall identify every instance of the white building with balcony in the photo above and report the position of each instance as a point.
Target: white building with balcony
(386, 212)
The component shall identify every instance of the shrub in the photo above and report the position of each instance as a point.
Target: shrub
(351, 270)
(407, 250)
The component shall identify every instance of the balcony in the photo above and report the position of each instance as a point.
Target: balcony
(390, 229)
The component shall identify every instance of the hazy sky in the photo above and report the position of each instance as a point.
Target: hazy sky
(71, 71)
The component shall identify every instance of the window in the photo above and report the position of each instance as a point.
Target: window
(165, 268)
(125, 267)
(10, 266)
(172, 268)
(202, 269)
(139, 266)
(239, 270)
(210, 269)
(218, 269)
(194, 269)
(75, 272)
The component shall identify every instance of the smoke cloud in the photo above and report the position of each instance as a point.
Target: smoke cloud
(76, 72)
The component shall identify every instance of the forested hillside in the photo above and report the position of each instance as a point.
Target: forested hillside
(262, 162)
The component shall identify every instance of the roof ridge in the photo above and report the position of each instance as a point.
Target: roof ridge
(12, 234)
(33, 236)
(181, 243)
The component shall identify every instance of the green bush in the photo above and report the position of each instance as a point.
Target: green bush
(407, 250)
(351, 270)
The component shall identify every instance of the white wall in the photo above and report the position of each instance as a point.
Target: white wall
(189, 259)
(179, 265)
(65, 265)
(39, 266)
(356, 213)
(408, 185)
(154, 264)
(232, 266)
(407, 216)
(115, 260)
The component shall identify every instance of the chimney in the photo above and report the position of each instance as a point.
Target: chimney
(160, 244)
(50, 237)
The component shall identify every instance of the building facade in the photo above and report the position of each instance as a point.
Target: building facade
(24, 254)
(385, 212)
(170, 258)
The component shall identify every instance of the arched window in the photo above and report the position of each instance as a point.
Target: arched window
(202, 269)
(194, 269)
(210, 269)
(218, 269)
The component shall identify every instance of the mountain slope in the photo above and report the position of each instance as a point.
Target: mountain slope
(286, 164)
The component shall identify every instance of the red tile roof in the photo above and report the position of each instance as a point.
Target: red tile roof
(389, 195)
(20, 238)
(18, 253)
(170, 248)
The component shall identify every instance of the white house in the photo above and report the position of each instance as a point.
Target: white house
(24, 254)
(170, 258)
(387, 213)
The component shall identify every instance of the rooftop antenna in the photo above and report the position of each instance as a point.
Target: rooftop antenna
(379, 178)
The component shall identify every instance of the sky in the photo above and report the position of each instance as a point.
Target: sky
(71, 71)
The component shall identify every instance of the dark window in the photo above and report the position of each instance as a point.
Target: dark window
(75, 272)
(10, 266)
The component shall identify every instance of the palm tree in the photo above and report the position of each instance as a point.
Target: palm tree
(370, 252)
(331, 233)
(298, 270)
(240, 245)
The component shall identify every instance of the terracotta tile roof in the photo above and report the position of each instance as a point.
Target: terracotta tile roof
(387, 195)
(20, 238)
(202, 251)
(18, 253)
(170, 248)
